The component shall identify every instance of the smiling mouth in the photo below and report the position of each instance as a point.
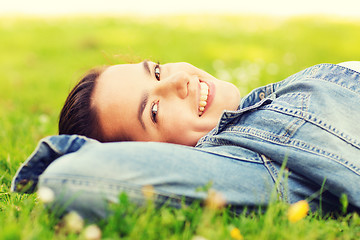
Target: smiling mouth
(204, 92)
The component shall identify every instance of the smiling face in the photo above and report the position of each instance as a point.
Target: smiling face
(175, 102)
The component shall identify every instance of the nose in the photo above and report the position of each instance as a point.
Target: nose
(176, 84)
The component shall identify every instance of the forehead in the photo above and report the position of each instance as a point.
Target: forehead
(114, 82)
(116, 98)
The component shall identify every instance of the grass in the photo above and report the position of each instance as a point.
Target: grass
(42, 58)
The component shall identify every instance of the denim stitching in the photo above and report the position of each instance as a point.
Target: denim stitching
(213, 143)
(275, 176)
(106, 186)
(316, 121)
(299, 145)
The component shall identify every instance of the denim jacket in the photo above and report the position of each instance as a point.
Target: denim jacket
(307, 123)
(310, 120)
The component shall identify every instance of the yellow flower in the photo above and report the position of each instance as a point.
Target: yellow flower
(148, 191)
(298, 211)
(235, 234)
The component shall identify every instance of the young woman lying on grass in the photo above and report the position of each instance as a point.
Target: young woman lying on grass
(146, 113)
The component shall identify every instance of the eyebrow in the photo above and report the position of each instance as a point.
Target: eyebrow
(146, 67)
(144, 97)
(142, 105)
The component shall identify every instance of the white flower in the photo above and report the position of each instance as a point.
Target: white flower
(73, 222)
(197, 237)
(43, 118)
(92, 232)
(46, 195)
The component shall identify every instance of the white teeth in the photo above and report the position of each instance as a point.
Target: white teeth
(204, 85)
(204, 88)
(204, 91)
(202, 103)
(203, 97)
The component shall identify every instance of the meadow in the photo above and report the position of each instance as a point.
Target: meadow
(42, 58)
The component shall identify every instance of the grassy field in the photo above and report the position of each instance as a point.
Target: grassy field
(42, 58)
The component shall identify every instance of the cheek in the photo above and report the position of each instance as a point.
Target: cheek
(184, 132)
(176, 130)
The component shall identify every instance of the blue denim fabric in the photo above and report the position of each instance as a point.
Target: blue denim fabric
(308, 121)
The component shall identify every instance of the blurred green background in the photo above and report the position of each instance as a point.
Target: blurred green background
(41, 58)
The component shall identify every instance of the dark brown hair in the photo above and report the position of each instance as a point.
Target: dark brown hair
(78, 116)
